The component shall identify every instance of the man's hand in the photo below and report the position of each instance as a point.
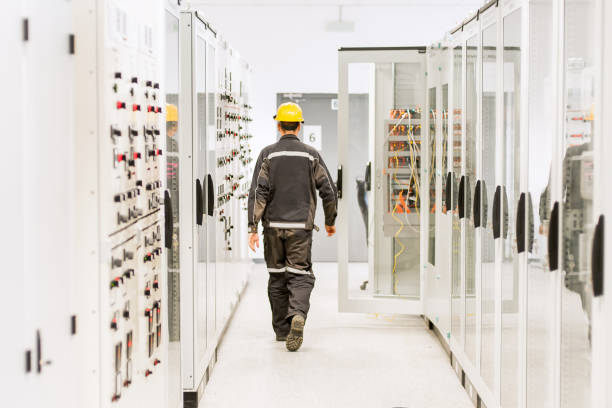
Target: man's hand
(253, 241)
(330, 230)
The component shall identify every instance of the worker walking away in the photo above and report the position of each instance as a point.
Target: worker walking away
(287, 176)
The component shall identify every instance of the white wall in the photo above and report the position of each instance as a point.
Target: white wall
(291, 51)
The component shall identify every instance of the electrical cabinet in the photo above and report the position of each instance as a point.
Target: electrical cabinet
(512, 198)
(43, 231)
(212, 156)
(524, 187)
(120, 183)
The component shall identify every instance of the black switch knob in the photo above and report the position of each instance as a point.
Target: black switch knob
(116, 262)
(148, 313)
(115, 132)
(156, 85)
(128, 274)
(155, 284)
(134, 80)
(126, 314)
(139, 183)
(113, 324)
(118, 75)
(128, 255)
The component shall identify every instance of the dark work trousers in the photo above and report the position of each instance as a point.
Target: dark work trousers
(287, 254)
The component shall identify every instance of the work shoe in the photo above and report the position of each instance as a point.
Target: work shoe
(281, 338)
(296, 334)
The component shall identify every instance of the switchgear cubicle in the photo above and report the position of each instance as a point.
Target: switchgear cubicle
(122, 294)
(490, 155)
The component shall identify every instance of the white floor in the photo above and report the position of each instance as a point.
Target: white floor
(347, 360)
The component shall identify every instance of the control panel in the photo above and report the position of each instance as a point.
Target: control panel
(130, 170)
(234, 160)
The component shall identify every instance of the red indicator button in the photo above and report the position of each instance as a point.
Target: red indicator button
(159, 152)
(148, 373)
(150, 109)
(156, 362)
(120, 157)
(136, 156)
(158, 110)
(135, 107)
(120, 105)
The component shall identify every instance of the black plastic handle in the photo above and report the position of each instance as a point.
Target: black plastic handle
(168, 220)
(505, 225)
(368, 177)
(461, 198)
(520, 224)
(477, 202)
(448, 196)
(485, 204)
(339, 182)
(210, 202)
(530, 231)
(496, 213)
(199, 202)
(553, 238)
(467, 204)
(597, 258)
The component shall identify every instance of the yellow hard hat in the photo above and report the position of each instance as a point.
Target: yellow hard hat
(289, 112)
(171, 113)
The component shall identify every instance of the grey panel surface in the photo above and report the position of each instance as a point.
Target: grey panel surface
(317, 111)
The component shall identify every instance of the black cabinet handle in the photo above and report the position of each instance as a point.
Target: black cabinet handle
(168, 220)
(530, 231)
(520, 224)
(505, 221)
(368, 177)
(339, 182)
(199, 202)
(477, 202)
(496, 213)
(597, 258)
(553, 238)
(210, 202)
(461, 198)
(485, 204)
(448, 196)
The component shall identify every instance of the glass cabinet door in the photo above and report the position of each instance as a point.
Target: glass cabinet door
(486, 191)
(541, 284)
(380, 119)
(577, 201)
(199, 172)
(469, 184)
(457, 299)
(509, 197)
(172, 163)
(433, 124)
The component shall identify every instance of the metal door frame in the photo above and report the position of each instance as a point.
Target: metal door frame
(366, 305)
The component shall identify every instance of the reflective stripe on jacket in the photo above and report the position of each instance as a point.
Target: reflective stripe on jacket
(283, 191)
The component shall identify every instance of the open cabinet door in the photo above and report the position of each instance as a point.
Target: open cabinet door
(383, 273)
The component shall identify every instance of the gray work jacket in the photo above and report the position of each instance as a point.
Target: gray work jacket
(283, 191)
